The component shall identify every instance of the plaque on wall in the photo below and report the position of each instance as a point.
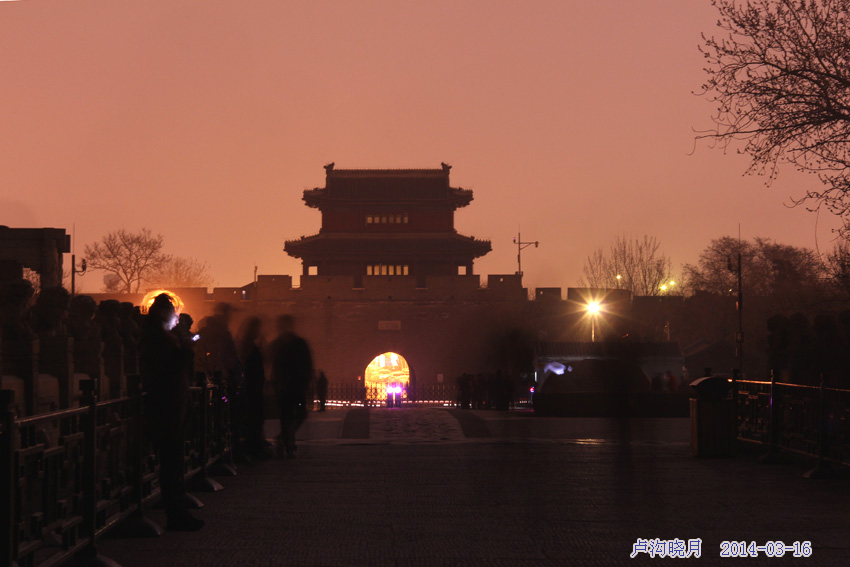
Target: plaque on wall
(389, 325)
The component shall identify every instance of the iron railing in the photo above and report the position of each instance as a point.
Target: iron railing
(69, 476)
(809, 420)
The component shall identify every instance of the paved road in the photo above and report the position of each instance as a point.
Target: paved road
(442, 487)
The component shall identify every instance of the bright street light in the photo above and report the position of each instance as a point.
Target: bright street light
(593, 310)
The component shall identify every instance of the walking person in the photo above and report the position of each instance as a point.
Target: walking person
(322, 390)
(164, 365)
(292, 370)
(251, 355)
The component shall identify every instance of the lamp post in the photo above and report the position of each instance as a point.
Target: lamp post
(667, 289)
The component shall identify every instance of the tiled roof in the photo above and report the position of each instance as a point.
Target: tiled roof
(369, 244)
(389, 190)
(387, 185)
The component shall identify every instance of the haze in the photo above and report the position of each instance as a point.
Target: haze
(205, 120)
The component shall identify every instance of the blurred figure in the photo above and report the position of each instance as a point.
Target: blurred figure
(671, 382)
(164, 364)
(49, 315)
(464, 389)
(184, 334)
(129, 337)
(218, 356)
(218, 360)
(292, 370)
(251, 355)
(322, 390)
(108, 319)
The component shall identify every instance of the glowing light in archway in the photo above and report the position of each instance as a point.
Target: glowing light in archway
(147, 300)
(388, 370)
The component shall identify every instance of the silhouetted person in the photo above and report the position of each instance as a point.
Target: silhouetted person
(251, 355)
(184, 334)
(464, 388)
(671, 382)
(218, 356)
(163, 363)
(86, 334)
(292, 369)
(108, 320)
(220, 361)
(322, 390)
(49, 315)
(129, 337)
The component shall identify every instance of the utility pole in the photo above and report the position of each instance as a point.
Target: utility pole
(740, 306)
(520, 246)
(739, 336)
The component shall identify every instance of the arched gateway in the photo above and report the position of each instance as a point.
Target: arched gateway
(387, 374)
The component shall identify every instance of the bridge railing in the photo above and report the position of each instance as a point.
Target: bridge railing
(69, 476)
(810, 420)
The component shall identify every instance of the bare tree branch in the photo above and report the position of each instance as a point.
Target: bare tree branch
(780, 76)
(640, 265)
(129, 256)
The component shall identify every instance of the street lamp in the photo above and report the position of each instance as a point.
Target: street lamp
(75, 271)
(593, 311)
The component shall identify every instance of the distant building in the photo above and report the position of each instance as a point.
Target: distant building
(388, 288)
(387, 222)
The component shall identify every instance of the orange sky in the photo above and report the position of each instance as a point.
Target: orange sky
(204, 120)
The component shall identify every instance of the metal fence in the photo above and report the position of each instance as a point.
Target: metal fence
(414, 395)
(810, 420)
(71, 475)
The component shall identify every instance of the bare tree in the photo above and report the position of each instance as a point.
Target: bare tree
(836, 267)
(181, 272)
(632, 264)
(780, 76)
(130, 256)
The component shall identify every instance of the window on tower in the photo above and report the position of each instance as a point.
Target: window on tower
(387, 270)
(388, 219)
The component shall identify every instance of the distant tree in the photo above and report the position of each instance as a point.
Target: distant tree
(768, 269)
(836, 268)
(641, 266)
(130, 256)
(180, 272)
(112, 283)
(780, 76)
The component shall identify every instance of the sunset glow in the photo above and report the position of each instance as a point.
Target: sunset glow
(147, 300)
(217, 120)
